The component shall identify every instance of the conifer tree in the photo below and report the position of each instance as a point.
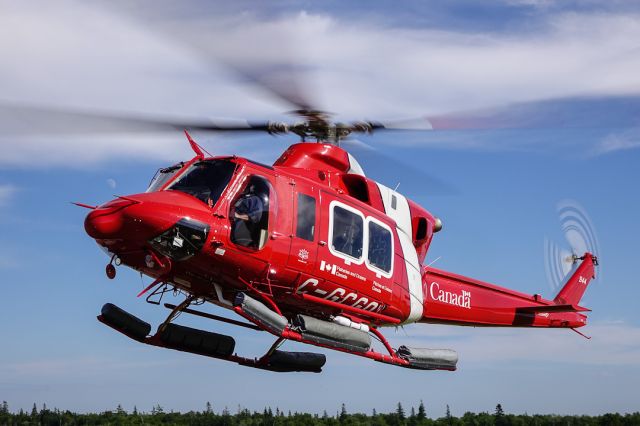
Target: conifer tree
(400, 412)
(34, 410)
(208, 409)
(413, 419)
(343, 413)
(499, 418)
(422, 414)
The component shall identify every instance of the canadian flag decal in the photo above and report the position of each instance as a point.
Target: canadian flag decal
(324, 266)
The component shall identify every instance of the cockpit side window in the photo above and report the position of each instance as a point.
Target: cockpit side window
(250, 214)
(205, 180)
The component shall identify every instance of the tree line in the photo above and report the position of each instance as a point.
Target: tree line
(268, 417)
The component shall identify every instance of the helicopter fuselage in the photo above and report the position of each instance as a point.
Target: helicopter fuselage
(328, 242)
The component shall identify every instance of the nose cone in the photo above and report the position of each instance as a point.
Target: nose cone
(135, 219)
(106, 221)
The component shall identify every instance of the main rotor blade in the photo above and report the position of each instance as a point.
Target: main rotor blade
(282, 80)
(419, 123)
(268, 62)
(384, 168)
(20, 119)
(570, 112)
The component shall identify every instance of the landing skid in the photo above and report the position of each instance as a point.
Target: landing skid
(219, 346)
(290, 332)
(205, 343)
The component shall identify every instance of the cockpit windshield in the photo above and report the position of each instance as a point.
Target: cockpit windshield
(163, 175)
(205, 180)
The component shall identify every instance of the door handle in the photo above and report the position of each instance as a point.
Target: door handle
(322, 243)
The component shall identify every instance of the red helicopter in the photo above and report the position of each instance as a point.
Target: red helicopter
(308, 249)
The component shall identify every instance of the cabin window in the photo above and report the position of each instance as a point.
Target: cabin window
(306, 221)
(380, 249)
(250, 214)
(347, 232)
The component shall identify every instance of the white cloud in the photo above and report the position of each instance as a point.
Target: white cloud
(625, 140)
(70, 53)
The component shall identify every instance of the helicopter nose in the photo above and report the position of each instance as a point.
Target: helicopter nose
(135, 219)
(107, 221)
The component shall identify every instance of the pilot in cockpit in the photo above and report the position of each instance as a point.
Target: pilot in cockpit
(249, 214)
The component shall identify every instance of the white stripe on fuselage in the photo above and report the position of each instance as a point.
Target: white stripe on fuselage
(402, 216)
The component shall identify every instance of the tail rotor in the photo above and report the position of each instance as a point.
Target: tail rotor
(579, 238)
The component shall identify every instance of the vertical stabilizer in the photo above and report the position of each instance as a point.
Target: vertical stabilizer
(577, 283)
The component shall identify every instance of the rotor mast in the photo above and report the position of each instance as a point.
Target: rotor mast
(319, 127)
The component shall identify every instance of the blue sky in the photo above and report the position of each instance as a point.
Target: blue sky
(392, 60)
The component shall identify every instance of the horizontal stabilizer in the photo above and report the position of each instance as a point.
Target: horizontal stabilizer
(554, 308)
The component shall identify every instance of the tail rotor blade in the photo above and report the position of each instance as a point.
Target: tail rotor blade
(579, 238)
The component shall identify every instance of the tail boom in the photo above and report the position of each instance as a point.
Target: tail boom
(454, 299)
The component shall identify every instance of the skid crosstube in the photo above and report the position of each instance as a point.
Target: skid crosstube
(219, 346)
(200, 342)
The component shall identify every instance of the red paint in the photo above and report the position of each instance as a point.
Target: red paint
(302, 274)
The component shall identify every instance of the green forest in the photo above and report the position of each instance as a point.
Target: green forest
(243, 417)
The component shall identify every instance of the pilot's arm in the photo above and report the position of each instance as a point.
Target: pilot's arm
(249, 209)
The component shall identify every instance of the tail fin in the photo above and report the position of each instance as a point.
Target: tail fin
(577, 283)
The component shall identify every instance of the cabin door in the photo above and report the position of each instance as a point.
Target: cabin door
(304, 235)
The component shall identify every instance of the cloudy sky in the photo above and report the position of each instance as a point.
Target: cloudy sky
(549, 95)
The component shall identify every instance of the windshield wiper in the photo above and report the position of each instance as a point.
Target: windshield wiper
(172, 168)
